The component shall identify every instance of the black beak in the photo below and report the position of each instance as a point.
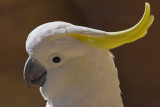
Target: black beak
(34, 73)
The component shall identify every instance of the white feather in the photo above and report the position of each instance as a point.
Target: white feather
(86, 76)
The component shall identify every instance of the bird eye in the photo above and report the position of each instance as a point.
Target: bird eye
(56, 59)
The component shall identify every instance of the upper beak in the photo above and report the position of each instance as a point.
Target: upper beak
(34, 73)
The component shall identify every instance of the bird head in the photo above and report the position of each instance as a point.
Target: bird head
(64, 56)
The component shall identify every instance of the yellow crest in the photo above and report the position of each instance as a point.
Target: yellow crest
(115, 39)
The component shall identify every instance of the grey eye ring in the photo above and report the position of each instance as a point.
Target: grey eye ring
(56, 59)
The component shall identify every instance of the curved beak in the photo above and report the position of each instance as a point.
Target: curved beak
(34, 73)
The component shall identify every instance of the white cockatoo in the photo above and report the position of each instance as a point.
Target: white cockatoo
(73, 66)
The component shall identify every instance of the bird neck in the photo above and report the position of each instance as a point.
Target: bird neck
(101, 90)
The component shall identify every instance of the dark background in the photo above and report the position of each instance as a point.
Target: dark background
(138, 63)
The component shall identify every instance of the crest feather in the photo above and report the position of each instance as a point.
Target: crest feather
(110, 40)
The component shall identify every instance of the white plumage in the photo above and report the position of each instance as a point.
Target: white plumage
(73, 66)
(86, 77)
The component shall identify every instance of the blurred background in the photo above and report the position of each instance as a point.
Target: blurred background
(138, 63)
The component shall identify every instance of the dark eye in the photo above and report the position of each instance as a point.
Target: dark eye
(56, 59)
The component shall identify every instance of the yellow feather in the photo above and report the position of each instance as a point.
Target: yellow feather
(115, 39)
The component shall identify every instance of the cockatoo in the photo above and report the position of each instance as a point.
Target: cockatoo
(73, 66)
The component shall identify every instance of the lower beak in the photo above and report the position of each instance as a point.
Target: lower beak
(34, 73)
